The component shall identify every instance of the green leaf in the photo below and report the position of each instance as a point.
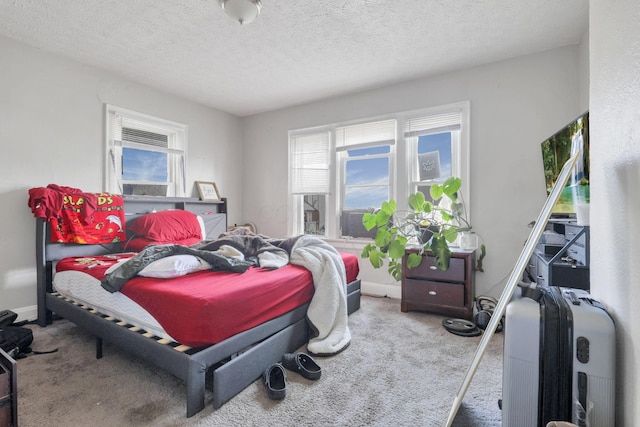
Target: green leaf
(446, 216)
(450, 234)
(427, 207)
(382, 218)
(369, 221)
(376, 259)
(383, 238)
(436, 191)
(416, 201)
(397, 248)
(395, 270)
(413, 260)
(451, 187)
(388, 207)
(442, 253)
(366, 250)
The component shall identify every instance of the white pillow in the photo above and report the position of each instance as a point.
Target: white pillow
(174, 266)
(203, 229)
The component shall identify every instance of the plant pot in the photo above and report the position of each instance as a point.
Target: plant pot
(427, 233)
(468, 241)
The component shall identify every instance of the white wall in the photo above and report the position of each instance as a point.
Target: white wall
(515, 105)
(615, 185)
(51, 131)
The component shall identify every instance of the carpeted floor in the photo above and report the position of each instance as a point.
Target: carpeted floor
(401, 369)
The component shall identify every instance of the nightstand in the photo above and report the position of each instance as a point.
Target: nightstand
(450, 292)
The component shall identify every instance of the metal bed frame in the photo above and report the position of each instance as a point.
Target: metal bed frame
(234, 363)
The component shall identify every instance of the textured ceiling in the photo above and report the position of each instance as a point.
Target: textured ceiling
(296, 51)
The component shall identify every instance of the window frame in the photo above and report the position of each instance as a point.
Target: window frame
(403, 180)
(370, 133)
(176, 149)
(460, 150)
(296, 211)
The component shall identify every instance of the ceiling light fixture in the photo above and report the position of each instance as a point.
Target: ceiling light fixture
(243, 11)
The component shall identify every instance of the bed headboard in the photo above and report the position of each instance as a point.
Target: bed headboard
(213, 213)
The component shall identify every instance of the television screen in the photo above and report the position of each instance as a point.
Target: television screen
(556, 150)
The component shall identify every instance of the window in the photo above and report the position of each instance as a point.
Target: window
(365, 152)
(354, 167)
(366, 177)
(436, 150)
(145, 154)
(309, 180)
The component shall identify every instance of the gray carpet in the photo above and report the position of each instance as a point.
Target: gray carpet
(401, 369)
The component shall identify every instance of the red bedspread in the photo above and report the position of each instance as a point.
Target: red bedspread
(207, 307)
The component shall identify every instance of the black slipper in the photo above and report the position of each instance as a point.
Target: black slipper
(303, 364)
(274, 379)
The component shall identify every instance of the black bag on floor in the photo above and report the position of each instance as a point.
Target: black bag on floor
(16, 340)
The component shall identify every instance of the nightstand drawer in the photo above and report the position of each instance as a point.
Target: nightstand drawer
(436, 293)
(428, 270)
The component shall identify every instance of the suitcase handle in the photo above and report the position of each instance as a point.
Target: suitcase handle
(574, 299)
(529, 292)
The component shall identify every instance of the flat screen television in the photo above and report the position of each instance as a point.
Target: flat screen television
(556, 150)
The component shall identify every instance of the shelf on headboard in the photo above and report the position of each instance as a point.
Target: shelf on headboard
(137, 205)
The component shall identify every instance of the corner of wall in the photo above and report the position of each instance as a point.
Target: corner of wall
(584, 73)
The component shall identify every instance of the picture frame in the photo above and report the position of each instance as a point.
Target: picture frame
(429, 165)
(208, 191)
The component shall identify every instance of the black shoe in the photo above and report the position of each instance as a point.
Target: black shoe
(303, 364)
(275, 380)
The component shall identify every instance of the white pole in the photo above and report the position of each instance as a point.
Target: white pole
(513, 281)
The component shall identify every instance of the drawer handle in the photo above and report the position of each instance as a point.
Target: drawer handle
(433, 267)
(433, 293)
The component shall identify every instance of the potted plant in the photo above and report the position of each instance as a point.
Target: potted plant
(427, 225)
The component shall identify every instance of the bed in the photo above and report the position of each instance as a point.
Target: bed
(230, 357)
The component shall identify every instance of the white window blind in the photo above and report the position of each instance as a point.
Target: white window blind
(428, 125)
(309, 163)
(365, 135)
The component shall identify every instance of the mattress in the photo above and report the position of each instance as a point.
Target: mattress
(86, 290)
(198, 309)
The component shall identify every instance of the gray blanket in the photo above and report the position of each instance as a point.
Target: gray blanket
(129, 269)
(267, 252)
(258, 250)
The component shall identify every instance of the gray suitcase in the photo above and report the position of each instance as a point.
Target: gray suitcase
(559, 360)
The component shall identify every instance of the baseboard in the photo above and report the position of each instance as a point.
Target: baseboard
(26, 313)
(381, 290)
